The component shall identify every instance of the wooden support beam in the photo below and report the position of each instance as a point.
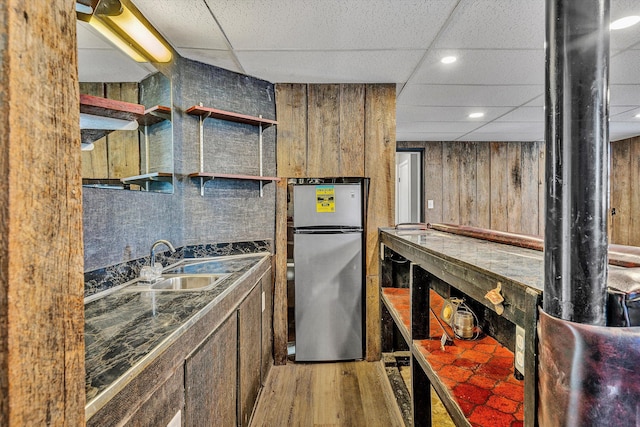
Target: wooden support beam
(41, 262)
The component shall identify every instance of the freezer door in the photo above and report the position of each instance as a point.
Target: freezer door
(328, 296)
(327, 205)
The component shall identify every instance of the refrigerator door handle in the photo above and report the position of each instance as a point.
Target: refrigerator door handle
(326, 230)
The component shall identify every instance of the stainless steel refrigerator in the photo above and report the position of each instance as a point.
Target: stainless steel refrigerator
(328, 267)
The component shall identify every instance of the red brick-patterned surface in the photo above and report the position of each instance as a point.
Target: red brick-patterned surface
(477, 374)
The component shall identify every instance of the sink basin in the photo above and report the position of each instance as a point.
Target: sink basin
(192, 282)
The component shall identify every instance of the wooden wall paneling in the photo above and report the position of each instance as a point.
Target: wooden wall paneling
(351, 130)
(451, 182)
(291, 108)
(541, 188)
(95, 163)
(267, 326)
(41, 253)
(499, 186)
(433, 188)
(621, 191)
(123, 146)
(324, 130)
(380, 143)
(514, 187)
(483, 185)
(634, 188)
(529, 188)
(280, 318)
(468, 182)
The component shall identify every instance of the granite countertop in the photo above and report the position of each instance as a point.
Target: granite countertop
(525, 266)
(126, 329)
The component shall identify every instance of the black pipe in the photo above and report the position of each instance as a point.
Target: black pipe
(577, 136)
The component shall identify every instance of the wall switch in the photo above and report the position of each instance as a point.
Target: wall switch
(176, 421)
(429, 204)
(264, 305)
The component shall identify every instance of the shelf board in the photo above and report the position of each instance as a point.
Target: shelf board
(111, 108)
(148, 177)
(156, 114)
(208, 176)
(230, 116)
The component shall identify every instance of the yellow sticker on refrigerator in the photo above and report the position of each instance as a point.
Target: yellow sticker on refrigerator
(325, 198)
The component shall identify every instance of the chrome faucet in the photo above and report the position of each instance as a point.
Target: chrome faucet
(153, 250)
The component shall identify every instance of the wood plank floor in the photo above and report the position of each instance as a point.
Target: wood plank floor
(327, 394)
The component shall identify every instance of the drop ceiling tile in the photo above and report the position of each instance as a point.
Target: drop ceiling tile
(625, 68)
(88, 38)
(330, 67)
(625, 38)
(411, 113)
(513, 127)
(468, 95)
(622, 130)
(500, 136)
(330, 24)
(109, 66)
(437, 127)
(624, 114)
(495, 24)
(524, 114)
(184, 23)
(219, 58)
(427, 136)
(482, 66)
(624, 95)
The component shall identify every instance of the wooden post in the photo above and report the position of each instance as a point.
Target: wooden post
(41, 263)
(280, 319)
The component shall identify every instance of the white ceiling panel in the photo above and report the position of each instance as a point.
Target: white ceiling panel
(330, 24)
(524, 114)
(624, 95)
(221, 58)
(621, 130)
(495, 24)
(625, 68)
(623, 39)
(184, 23)
(438, 127)
(411, 113)
(387, 66)
(500, 136)
(88, 38)
(514, 127)
(482, 66)
(427, 136)
(468, 95)
(624, 114)
(110, 66)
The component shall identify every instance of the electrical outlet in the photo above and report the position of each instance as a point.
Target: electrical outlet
(519, 356)
(429, 204)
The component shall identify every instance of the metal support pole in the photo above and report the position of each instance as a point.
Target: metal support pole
(577, 137)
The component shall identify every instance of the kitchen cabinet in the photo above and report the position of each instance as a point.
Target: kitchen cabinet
(210, 379)
(267, 325)
(249, 353)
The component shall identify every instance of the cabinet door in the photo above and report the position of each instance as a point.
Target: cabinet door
(267, 325)
(210, 379)
(249, 352)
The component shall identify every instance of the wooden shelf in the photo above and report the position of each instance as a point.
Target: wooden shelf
(209, 176)
(230, 116)
(141, 180)
(474, 379)
(108, 108)
(154, 115)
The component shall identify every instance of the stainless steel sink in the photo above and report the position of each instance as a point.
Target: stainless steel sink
(187, 282)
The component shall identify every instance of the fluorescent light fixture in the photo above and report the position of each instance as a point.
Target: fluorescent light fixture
(129, 32)
(448, 59)
(625, 22)
(116, 40)
(637, 116)
(476, 115)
